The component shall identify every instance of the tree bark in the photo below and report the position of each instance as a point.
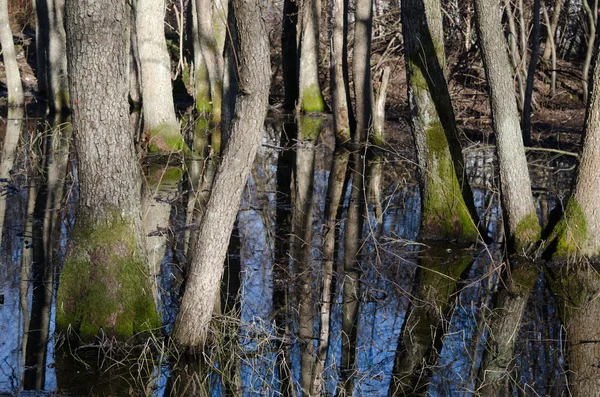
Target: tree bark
(310, 98)
(160, 121)
(58, 88)
(447, 201)
(533, 61)
(206, 270)
(104, 283)
(517, 200)
(341, 106)
(551, 28)
(591, 11)
(13, 76)
(361, 69)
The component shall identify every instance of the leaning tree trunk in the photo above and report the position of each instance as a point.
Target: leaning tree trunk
(517, 200)
(591, 10)
(13, 77)
(448, 209)
(160, 121)
(206, 269)
(310, 98)
(535, 47)
(104, 283)
(551, 29)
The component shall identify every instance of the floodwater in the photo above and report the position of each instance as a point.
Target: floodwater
(418, 312)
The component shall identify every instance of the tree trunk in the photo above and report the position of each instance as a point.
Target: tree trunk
(160, 121)
(104, 283)
(361, 69)
(517, 200)
(339, 71)
(206, 270)
(551, 28)
(447, 201)
(58, 88)
(515, 54)
(591, 11)
(212, 53)
(310, 98)
(13, 76)
(535, 47)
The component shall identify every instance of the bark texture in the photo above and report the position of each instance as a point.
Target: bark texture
(339, 71)
(310, 97)
(447, 201)
(361, 69)
(578, 232)
(206, 270)
(103, 283)
(160, 121)
(517, 200)
(57, 79)
(13, 76)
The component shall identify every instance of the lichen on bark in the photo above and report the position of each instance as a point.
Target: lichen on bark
(312, 100)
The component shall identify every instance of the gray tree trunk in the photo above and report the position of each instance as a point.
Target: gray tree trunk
(57, 79)
(104, 282)
(339, 72)
(533, 61)
(447, 201)
(361, 69)
(206, 270)
(13, 76)
(310, 98)
(551, 28)
(517, 200)
(160, 121)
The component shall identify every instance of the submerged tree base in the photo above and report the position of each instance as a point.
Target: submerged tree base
(103, 283)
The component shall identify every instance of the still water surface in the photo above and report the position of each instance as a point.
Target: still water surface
(38, 179)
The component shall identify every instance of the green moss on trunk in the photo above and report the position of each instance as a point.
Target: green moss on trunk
(166, 138)
(445, 214)
(103, 283)
(528, 231)
(310, 127)
(570, 233)
(312, 100)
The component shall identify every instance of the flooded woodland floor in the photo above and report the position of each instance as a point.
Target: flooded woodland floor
(421, 309)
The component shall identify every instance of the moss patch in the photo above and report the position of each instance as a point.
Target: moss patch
(164, 176)
(445, 214)
(103, 283)
(528, 231)
(570, 233)
(310, 127)
(166, 138)
(312, 100)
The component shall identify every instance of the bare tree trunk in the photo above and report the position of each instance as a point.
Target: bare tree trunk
(310, 98)
(447, 201)
(41, 44)
(212, 53)
(517, 200)
(206, 270)
(378, 137)
(339, 72)
(361, 69)
(515, 55)
(13, 76)
(592, 14)
(551, 27)
(160, 121)
(104, 282)
(535, 47)
(58, 88)
(551, 46)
